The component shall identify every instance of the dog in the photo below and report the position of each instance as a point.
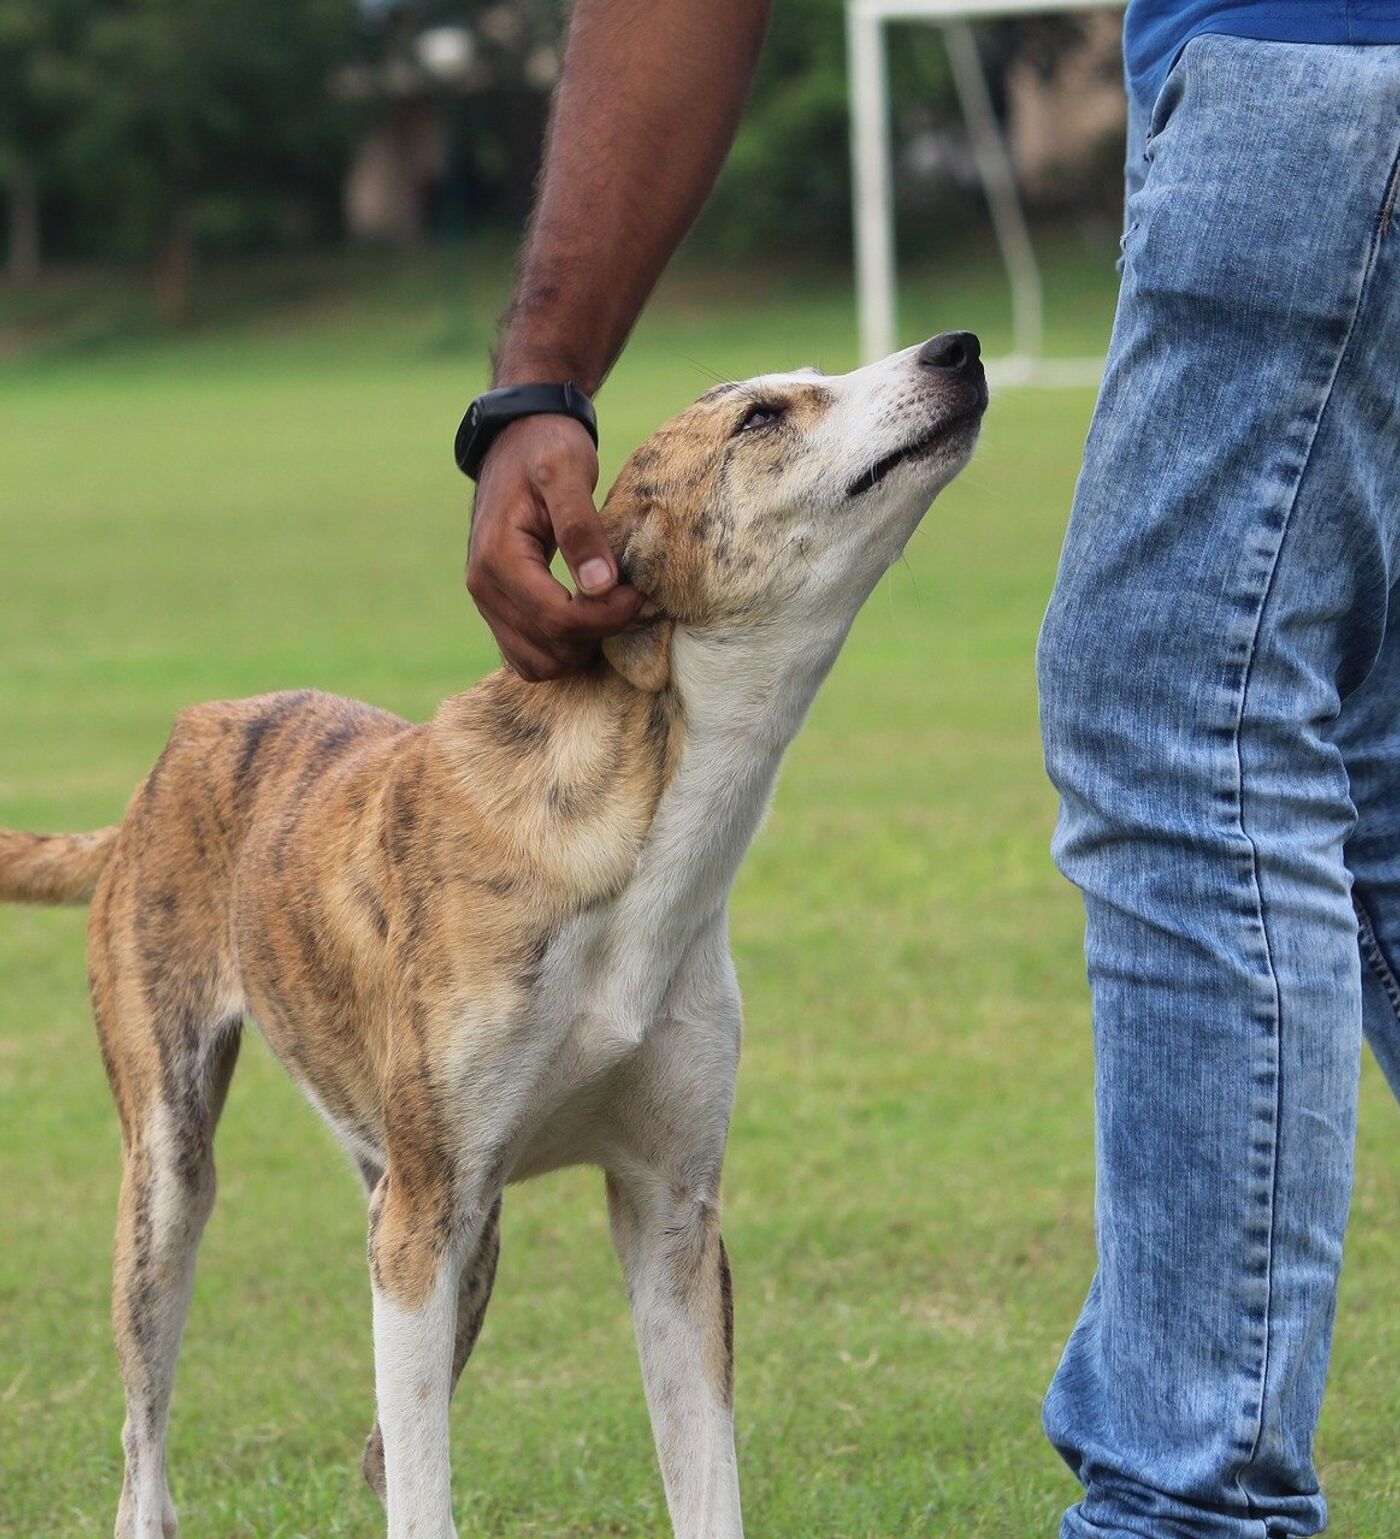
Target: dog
(495, 944)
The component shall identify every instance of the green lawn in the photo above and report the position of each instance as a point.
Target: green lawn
(269, 502)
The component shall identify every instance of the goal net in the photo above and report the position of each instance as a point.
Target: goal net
(872, 180)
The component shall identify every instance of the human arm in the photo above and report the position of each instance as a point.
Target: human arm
(646, 108)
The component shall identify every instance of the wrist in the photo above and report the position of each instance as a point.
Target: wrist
(515, 366)
(489, 415)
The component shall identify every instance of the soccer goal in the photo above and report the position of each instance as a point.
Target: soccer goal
(873, 182)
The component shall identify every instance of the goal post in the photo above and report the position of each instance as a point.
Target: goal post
(872, 179)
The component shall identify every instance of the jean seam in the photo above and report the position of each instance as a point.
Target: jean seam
(1368, 267)
(1374, 953)
(1388, 207)
(1276, 1113)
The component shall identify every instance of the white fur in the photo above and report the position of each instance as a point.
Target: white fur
(413, 1389)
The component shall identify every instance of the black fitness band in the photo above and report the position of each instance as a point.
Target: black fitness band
(497, 409)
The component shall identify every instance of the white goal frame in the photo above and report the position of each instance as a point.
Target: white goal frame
(872, 181)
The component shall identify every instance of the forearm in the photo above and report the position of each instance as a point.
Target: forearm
(645, 111)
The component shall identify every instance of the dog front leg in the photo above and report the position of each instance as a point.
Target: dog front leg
(416, 1258)
(668, 1240)
(473, 1295)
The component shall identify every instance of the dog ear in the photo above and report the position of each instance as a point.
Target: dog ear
(643, 657)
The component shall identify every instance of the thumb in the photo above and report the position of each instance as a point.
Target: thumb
(582, 541)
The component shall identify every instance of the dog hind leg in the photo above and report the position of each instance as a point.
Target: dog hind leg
(167, 1193)
(163, 1001)
(473, 1295)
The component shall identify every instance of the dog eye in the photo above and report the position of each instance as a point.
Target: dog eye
(759, 417)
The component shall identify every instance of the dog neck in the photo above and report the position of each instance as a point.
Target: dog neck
(562, 777)
(743, 699)
(606, 792)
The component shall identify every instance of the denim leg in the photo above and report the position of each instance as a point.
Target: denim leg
(1368, 735)
(1222, 596)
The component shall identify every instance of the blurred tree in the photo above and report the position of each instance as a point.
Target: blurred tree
(451, 99)
(185, 103)
(155, 128)
(35, 42)
(788, 179)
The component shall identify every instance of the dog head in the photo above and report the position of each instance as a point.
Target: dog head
(789, 495)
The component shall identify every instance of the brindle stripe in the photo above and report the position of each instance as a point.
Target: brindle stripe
(726, 1305)
(256, 732)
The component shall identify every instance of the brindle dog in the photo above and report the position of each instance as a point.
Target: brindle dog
(495, 944)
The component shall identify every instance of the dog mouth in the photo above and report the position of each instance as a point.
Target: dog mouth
(966, 416)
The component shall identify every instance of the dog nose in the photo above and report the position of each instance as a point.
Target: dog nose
(955, 352)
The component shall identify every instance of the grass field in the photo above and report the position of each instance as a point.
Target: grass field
(269, 502)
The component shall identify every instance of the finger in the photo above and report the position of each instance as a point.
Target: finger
(530, 646)
(515, 568)
(528, 661)
(578, 531)
(522, 647)
(568, 626)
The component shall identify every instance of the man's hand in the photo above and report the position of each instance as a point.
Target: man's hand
(535, 494)
(645, 110)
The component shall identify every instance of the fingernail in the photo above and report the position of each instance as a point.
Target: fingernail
(594, 574)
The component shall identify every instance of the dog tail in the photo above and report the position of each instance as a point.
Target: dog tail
(52, 868)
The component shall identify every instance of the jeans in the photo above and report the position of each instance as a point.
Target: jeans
(1220, 689)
